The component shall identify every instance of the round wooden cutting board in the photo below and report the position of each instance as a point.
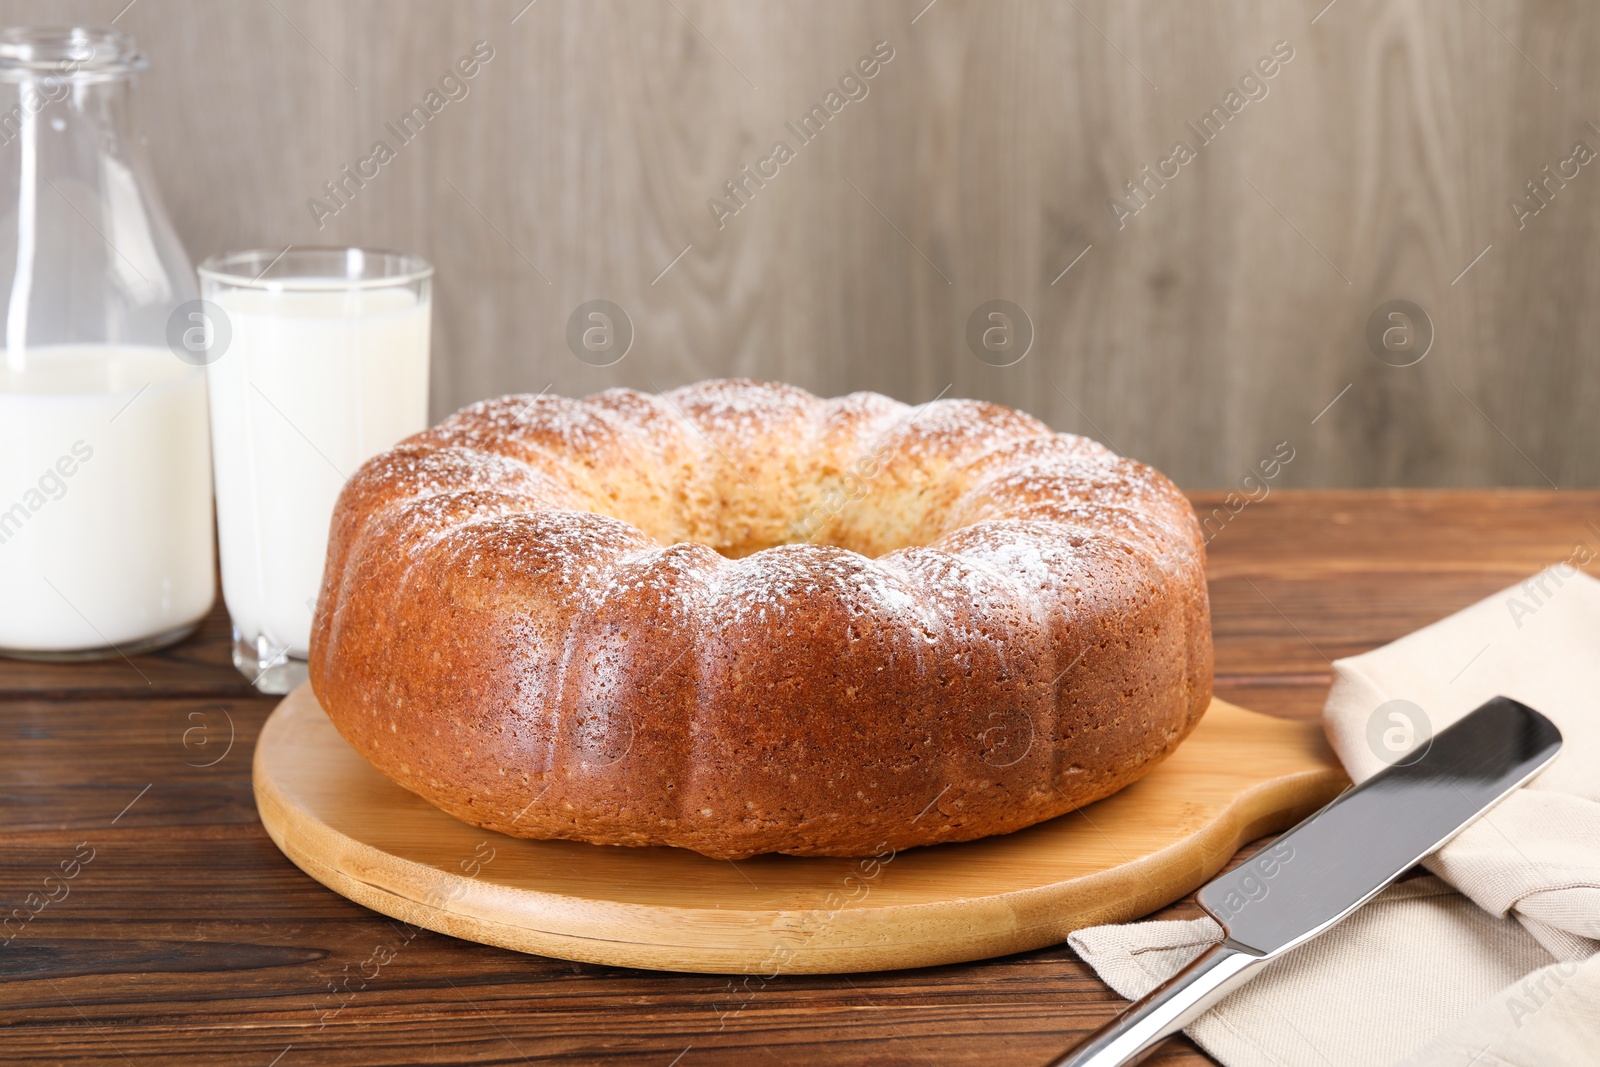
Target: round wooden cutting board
(1239, 775)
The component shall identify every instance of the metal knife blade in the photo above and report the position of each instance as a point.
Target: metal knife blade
(1316, 874)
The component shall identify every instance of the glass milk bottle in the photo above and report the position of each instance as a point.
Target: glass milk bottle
(106, 545)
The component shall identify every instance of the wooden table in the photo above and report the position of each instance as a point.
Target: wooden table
(188, 938)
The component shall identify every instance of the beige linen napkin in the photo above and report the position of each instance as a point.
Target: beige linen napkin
(1504, 972)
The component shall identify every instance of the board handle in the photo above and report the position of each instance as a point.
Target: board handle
(1166, 1009)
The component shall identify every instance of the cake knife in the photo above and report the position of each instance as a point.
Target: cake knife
(1315, 875)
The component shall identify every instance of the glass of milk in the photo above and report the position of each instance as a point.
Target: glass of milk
(316, 360)
(106, 544)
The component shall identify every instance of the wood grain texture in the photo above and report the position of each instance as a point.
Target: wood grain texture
(1231, 310)
(1238, 776)
(190, 939)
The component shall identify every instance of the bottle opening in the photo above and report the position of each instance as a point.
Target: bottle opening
(67, 52)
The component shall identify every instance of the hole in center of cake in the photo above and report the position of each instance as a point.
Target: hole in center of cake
(740, 516)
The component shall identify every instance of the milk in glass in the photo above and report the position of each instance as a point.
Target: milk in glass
(313, 382)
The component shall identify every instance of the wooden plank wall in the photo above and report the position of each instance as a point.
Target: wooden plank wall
(1197, 332)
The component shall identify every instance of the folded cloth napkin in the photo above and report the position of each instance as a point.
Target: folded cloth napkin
(1501, 971)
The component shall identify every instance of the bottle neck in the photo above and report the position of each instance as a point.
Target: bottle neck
(57, 75)
(98, 111)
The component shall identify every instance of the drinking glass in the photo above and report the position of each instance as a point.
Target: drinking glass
(316, 360)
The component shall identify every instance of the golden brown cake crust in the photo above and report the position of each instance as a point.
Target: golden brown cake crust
(738, 619)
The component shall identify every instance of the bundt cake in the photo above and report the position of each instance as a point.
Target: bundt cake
(737, 618)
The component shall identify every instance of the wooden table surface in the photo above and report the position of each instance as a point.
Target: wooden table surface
(184, 936)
